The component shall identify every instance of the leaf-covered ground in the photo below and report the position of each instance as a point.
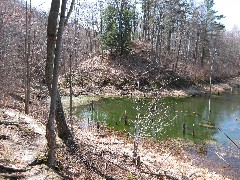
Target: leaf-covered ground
(95, 154)
(137, 75)
(22, 141)
(99, 153)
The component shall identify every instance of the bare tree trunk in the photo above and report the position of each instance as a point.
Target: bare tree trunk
(62, 127)
(153, 37)
(27, 54)
(50, 132)
(71, 91)
(144, 33)
(203, 53)
(196, 49)
(178, 53)
(63, 130)
(51, 41)
(169, 40)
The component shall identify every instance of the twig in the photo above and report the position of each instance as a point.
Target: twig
(229, 138)
(222, 158)
(166, 158)
(157, 174)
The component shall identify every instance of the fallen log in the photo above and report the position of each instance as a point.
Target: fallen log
(8, 169)
(11, 176)
(12, 123)
(9, 123)
(4, 137)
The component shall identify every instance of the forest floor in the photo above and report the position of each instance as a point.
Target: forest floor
(137, 75)
(98, 153)
(104, 153)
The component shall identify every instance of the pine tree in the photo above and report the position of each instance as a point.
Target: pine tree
(116, 34)
(211, 28)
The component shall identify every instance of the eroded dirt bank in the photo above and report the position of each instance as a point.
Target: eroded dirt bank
(136, 75)
(228, 85)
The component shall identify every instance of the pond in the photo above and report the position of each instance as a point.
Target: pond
(188, 118)
(211, 130)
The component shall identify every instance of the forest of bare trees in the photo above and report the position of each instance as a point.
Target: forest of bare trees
(181, 38)
(181, 35)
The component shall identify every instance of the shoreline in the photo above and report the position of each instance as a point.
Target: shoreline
(80, 99)
(159, 158)
(167, 157)
(156, 155)
(230, 85)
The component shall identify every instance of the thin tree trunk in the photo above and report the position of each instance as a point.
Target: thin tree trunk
(144, 21)
(71, 92)
(152, 43)
(63, 130)
(178, 53)
(51, 41)
(169, 40)
(203, 53)
(27, 54)
(50, 131)
(196, 49)
(158, 43)
(120, 45)
(134, 21)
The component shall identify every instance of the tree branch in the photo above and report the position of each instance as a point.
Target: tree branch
(69, 12)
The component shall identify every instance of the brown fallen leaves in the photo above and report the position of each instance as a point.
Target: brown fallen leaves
(97, 153)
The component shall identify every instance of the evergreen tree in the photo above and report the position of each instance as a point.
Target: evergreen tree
(211, 28)
(118, 18)
(109, 32)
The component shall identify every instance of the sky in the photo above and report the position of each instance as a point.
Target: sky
(229, 8)
(42, 4)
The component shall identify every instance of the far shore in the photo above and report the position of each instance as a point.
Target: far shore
(230, 85)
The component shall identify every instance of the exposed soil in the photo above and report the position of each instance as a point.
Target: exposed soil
(22, 143)
(137, 75)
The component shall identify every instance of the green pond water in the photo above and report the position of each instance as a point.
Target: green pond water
(215, 134)
(187, 118)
